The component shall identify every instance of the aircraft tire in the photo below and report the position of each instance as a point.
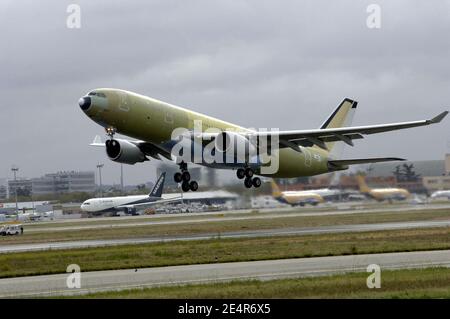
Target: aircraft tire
(193, 186)
(256, 182)
(185, 186)
(185, 176)
(240, 173)
(249, 172)
(248, 183)
(177, 177)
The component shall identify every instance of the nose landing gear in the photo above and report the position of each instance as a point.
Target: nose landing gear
(110, 131)
(184, 177)
(249, 180)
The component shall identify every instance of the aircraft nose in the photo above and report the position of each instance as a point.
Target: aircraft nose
(84, 103)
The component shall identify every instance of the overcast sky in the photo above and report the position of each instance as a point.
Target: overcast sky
(281, 64)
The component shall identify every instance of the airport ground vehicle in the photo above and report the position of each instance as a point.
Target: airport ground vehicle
(16, 229)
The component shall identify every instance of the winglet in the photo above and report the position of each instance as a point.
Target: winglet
(439, 118)
(97, 141)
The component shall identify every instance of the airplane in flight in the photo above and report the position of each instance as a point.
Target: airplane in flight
(381, 194)
(296, 198)
(127, 204)
(293, 153)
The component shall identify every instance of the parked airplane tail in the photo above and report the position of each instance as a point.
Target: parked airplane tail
(158, 188)
(363, 188)
(276, 192)
(341, 117)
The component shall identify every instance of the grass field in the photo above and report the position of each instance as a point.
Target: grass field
(217, 227)
(222, 250)
(413, 283)
(232, 213)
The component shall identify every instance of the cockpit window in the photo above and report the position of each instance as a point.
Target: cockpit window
(87, 203)
(93, 93)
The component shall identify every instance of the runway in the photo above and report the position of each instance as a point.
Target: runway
(177, 275)
(214, 217)
(241, 234)
(115, 222)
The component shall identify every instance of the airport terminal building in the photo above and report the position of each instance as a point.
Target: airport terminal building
(3, 192)
(64, 182)
(54, 183)
(21, 186)
(416, 176)
(3, 189)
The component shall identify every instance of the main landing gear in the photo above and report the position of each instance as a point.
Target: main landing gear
(247, 174)
(184, 178)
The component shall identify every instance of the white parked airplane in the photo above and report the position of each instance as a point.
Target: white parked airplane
(441, 194)
(34, 216)
(127, 204)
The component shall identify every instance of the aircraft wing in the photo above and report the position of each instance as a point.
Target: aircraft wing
(319, 137)
(148, 204)
(345, 134)
(146, 147)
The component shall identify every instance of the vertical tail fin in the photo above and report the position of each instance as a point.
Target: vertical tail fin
(158, 188)
(363, 188)
(341, 117)
(276, 192)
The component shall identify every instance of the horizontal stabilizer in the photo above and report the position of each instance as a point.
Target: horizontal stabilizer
(340, 163)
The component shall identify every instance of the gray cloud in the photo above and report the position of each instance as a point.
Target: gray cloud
(287, 64)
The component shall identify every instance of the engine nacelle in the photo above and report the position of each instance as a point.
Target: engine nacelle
(234, 142)
(123, 151)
